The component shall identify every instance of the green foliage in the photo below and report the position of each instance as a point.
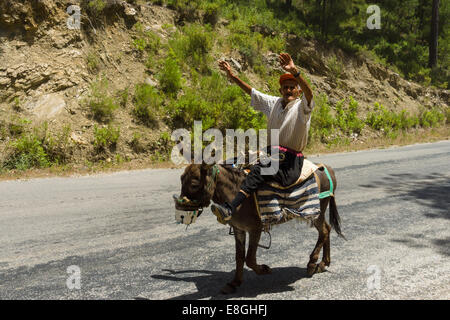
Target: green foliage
(387, 121)
(211, 12)
(17, 126)
(321, 119)
(122, 95)
(146, 104)
(170, 76)
(96, 6)
(346, 117)
(106, 138)
(136, 143)
(216, 104)
(93, 62)
(146, 41)
(193, 45)
(99, 102)
(431, 118)
(38, 148)
(335, 68)
(17, 105)
(27, 152)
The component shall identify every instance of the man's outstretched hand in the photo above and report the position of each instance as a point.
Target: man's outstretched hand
(225, 66)
(287, 63)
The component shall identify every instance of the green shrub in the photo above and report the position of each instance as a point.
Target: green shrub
(248, 46)
(16, 104)
(106, 138)
(146, 104)
(388, 121)
(191, 106)
(122, 95)
(335, 68)
(17, 126)
(193, 46)
(431, 118)
(211, 13)
(136, 144)
(146, 40)
(93, 62)
(27, 153)
(346, 117)
(99, 102)
(170, 76)
(57, 145)
(95, 7)
(321, 119)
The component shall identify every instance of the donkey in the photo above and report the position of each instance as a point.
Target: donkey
(203, 183)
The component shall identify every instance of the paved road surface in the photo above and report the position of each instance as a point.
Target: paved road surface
(118, 231)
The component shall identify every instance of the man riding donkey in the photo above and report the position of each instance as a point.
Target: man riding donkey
(291, 115)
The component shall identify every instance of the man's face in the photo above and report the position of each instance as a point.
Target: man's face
(289, 90)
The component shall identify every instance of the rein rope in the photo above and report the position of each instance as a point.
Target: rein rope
(215, 174)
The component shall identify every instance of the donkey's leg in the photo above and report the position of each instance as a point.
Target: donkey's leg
(250, 260)
(239, 238)
(326, 229)
(312, 266)
(326, 259)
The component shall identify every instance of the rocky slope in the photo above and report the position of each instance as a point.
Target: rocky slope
(45, 70)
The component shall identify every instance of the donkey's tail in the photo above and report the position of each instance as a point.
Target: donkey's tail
(335, 220)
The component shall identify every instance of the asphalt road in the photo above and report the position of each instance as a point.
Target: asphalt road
(117, 237)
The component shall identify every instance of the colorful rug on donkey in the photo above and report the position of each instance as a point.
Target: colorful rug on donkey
(277, 205)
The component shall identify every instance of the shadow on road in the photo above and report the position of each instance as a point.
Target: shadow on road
(209, 283)
(428, 190)
(431, 190)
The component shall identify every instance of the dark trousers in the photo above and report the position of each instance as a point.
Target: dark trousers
(290, 167)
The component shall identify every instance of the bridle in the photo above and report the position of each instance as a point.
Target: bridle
(194, 205)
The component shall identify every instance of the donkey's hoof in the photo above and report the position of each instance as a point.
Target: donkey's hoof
(265, 269)
(312, 269)
(316, 268)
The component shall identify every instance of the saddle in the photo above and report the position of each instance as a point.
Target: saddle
(277, 204)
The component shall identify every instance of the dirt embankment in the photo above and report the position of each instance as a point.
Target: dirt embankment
(46, 70)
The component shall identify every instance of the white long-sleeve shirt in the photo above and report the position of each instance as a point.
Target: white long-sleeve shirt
(293, 121)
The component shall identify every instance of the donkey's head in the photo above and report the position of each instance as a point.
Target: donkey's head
(198, 183)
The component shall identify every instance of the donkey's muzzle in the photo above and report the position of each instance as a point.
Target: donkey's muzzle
(186, 211)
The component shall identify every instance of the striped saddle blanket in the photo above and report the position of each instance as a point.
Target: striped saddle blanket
(278, 204)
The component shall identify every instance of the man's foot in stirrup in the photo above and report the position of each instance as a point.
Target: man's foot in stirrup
(223, 213)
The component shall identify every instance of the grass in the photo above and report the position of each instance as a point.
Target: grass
(146, 40)
(170, 77)
(93, 62)
(99, 102)
(38, 148)
(106, 138)
(146, 104)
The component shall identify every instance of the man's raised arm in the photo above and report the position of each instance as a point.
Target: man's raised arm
(225, 66)
(288, 64)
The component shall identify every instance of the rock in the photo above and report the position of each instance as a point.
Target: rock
(236, 64)
(151, 82)
(77, 139)
(4, 81)
(130, 11)
(47, 106)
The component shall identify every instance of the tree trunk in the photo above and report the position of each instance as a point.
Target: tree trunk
(324, 17)
(432, 61)
(289, 4)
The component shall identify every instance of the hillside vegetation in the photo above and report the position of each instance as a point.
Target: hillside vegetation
(113, 91)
